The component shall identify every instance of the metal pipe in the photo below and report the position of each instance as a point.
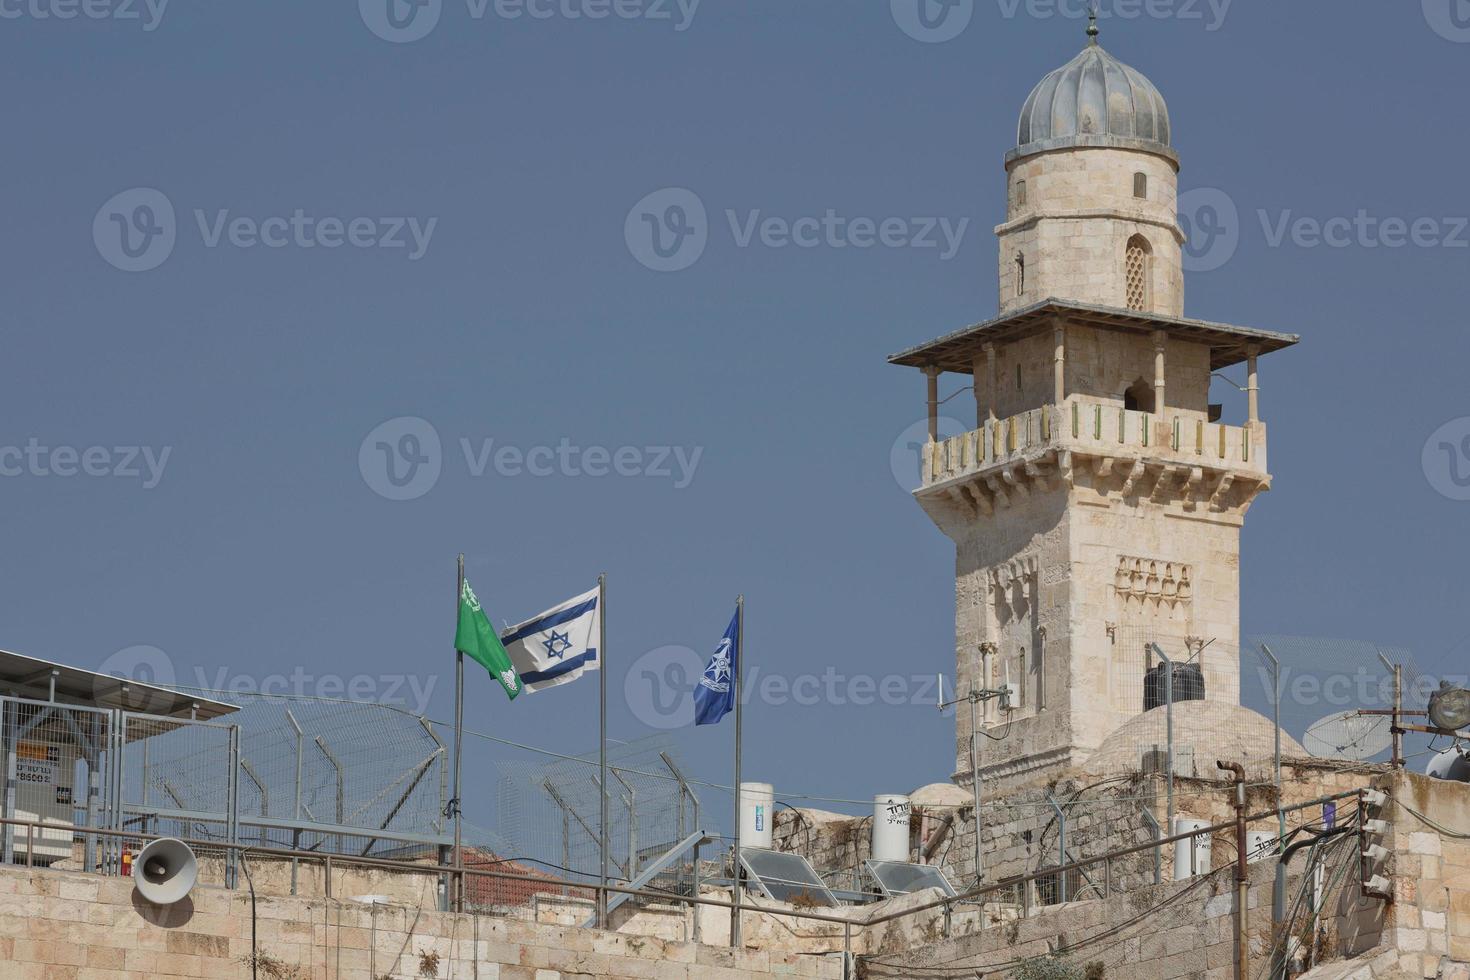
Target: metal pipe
(296, 807)
(1061, 849)
(1276, 722)
(1242, 877)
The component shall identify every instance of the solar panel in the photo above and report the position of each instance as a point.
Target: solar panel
(786, 877)
(898, 878)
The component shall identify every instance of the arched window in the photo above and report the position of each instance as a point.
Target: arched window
(1140, 185)
(1139, 397)
(1137, 267)
(1020, 193)
(1020, 274)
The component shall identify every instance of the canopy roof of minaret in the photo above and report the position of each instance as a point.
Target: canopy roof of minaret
(1094, 100)
(955, 352)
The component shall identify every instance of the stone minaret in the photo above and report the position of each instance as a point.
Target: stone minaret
(1096, 506)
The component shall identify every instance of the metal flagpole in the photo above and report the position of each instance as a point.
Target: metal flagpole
(458, 745)
(739, 671)
(602, 740)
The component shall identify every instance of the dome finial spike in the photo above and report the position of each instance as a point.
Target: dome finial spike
(1092, 29)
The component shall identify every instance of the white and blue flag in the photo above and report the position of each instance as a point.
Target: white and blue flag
(557, 646)
(715, 694)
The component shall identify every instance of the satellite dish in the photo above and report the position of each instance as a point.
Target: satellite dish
(165, 871)
(1450, 764)
(1348, 735)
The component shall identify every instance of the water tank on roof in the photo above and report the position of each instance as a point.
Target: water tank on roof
(891, 828)
(1189, 685)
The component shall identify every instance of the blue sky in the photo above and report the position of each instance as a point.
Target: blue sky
(449, 229)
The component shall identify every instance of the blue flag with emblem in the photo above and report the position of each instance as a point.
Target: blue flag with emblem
(715, 695)
(557, 646)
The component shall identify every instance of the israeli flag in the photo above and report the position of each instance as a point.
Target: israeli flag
(557, 646)
(715, 695)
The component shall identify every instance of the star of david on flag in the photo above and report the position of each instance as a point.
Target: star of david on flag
(715, 694)
(557, 646)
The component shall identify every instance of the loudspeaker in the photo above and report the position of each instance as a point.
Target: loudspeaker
(165, 871)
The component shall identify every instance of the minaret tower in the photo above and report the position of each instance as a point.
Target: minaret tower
(1096, 506)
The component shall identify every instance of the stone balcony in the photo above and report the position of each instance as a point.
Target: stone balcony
(1173, 457)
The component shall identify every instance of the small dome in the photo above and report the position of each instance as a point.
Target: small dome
(1213, 729)
(1094, 100)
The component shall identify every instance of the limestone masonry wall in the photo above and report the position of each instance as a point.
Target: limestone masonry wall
(63, 926)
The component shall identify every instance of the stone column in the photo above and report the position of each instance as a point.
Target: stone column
(994, 379)
(982, 409)
(1059, 364)
(1160, 343)
(1252, 389)
(932, 374)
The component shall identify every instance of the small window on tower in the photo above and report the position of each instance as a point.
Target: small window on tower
(1020, 193)
(1140, 185)
(1136, 265)
(1020, 274)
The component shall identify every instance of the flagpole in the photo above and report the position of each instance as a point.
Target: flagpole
(458, 746)
(739, 672)
(602, 740)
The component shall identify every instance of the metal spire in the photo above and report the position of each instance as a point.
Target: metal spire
(1092, 30)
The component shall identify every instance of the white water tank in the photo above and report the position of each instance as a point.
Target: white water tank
(891, 827)
(1259, 845)
(757, 801)
(1191, 855)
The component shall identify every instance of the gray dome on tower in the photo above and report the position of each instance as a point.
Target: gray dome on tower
(1094, 100)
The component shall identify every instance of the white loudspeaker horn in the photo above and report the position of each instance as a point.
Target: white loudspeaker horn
(165, 871)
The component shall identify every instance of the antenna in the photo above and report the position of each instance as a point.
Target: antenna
(1348, 735)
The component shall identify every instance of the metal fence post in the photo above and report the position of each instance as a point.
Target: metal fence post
(296, 808)
(232, 808)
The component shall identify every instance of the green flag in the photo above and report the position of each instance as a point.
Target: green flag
(476, 637)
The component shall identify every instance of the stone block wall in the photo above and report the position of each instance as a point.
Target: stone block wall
(65, 926)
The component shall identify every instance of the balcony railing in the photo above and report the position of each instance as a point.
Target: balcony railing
(1098, 429)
